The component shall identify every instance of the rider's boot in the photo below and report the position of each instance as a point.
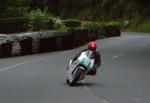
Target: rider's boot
(92, 72)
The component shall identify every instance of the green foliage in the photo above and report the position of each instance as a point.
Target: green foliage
(14, 19)
(37, 15)
(93, 10)
(59, 27)
(41, 20)
(105, 2)
(72, 23)
(115, 23)
(120, 24)
(71, 8)
(144, 27)
(12, 8)
(91, 25)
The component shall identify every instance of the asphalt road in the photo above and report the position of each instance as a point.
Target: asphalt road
(124, 76)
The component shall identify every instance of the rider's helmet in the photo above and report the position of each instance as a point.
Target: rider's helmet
(92, 45)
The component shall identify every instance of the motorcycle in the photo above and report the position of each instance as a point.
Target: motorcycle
(78, 68)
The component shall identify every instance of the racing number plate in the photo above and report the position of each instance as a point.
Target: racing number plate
(86, 62)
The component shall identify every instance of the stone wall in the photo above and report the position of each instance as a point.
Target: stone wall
(37, 42)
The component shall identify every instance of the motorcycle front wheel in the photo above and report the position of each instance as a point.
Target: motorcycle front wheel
(76, 75)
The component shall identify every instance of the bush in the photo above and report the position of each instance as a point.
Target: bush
(71, 23)
(92, 26)
(126, 23)
(12, 8)
(112, 29)
(12, 25)
(115, 24)
(144, 27)
(59, 27)
(40, 19)
(37, 15)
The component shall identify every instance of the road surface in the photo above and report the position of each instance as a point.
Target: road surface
(124, 76)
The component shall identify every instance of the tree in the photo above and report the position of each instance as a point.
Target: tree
(12, 8)
(53, 6)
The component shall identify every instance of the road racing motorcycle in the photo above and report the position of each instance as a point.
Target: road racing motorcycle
(78, 68)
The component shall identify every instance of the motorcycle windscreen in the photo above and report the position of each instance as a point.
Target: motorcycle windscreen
(87, 60)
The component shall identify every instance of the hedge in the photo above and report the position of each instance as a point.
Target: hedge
(72, 23)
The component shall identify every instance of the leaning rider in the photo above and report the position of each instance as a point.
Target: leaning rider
(92, 47)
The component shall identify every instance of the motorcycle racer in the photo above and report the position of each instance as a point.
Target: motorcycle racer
(92, 47)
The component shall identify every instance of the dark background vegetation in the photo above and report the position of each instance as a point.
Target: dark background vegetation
(83, 9)
(137, 12)
(84, 20)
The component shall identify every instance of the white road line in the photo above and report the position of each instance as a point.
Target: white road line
(136, 99)
(106, 101)
(85, 86)
(103, 100)
(142, 46)
(7, 68)
(117, 56)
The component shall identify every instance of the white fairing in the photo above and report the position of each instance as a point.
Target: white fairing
(82, 59)
(89, 61)
(72, 66)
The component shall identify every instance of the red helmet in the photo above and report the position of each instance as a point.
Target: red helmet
(92, 45)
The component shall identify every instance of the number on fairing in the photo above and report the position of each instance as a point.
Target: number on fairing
(86, 62)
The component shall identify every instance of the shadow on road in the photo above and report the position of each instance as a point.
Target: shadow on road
(81, 84)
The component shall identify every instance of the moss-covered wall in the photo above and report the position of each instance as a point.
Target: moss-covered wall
(37, 42)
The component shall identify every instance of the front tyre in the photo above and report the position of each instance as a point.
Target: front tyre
(68, 82)
(76, 75)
